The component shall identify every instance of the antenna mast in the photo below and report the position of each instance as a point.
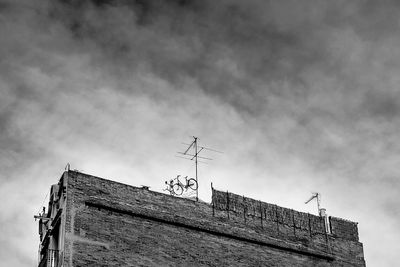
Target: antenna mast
(318, 197)
(195, 146)
(196, 155)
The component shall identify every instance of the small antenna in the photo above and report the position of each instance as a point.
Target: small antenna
(318, 197)
(196, 149)
(41, 216)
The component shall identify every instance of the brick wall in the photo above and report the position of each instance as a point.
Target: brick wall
(113, 224)
(266, 213)
(343, 228)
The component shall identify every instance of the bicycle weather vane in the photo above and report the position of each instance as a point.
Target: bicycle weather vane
(175, 186)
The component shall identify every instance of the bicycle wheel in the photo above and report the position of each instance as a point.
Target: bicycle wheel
(192, 184)
(177, 188)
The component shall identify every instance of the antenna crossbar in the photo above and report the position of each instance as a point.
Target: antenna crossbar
(190, 146)
(206, 148)
(199, 161)
(191, 156)
(195, 156)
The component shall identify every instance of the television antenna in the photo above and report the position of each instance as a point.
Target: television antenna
(317, 196)
(192, 153)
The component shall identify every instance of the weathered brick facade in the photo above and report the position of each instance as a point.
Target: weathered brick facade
(105, 223)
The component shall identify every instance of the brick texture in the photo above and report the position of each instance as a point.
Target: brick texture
(113, 224)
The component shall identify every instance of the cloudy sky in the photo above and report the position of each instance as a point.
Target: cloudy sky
(301, 96)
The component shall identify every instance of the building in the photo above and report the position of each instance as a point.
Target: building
(96, 222)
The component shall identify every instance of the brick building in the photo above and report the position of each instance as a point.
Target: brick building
(96, 222)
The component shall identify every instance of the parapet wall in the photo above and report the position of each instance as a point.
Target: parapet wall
(266, 213)
(248, 208)
(343, 228)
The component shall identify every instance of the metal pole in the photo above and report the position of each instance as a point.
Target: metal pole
(212, 199)
(195, 153)
(227, 203)
(294, 223)
(244, 209)
(277, 218)
(261, 214)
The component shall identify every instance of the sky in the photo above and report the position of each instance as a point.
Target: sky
(300, 96)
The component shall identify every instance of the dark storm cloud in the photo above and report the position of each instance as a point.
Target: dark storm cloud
(229, 48)
(382, 104)
(240, 52)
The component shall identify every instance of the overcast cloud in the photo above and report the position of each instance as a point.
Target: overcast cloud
(300, 96)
